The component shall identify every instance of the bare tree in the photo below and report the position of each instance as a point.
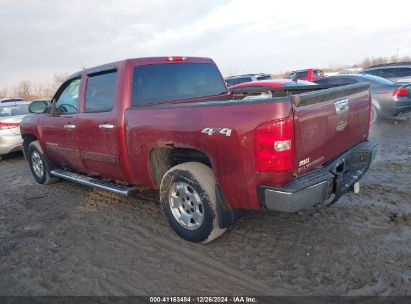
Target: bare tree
(3, 93)
(366, 62)
(23, 90)
(58, 79)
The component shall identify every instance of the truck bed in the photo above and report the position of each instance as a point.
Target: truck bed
(320, 134)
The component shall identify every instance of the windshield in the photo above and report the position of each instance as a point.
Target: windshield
(14, 110)
(175, 81)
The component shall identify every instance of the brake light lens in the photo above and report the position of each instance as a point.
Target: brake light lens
(8, 125)
(274, 146)
(400, 92)
(176, 58)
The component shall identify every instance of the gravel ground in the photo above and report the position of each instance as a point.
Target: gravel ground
(66, 239)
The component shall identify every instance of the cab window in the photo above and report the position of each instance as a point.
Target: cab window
(66, 102)
(100, 92)
(290, 76)
(302, 74)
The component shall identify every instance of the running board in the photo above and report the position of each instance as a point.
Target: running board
(96, 183)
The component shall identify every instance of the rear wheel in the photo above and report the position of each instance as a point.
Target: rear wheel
(188, 199)
(39, 166)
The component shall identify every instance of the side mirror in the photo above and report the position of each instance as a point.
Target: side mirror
(38, 106)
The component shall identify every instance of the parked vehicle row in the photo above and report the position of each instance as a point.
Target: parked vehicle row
(169, 123)
(388, 98)
(390, 85)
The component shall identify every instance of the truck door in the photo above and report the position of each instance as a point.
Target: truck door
(98, 126)
(59, 127)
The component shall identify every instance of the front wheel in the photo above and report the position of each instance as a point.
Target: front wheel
(39, 166)
(188, 199)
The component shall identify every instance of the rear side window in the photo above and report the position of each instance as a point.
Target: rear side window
(290, 76)
(100, 92)
(175, 81)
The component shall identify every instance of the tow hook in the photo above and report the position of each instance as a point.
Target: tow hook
(356, 187)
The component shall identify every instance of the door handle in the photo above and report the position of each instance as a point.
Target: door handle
(106, 126)
(69, 126)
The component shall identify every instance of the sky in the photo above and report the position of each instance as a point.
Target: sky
(39, 38)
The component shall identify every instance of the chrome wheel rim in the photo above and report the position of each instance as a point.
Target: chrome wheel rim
(186, 205)
(37, 164)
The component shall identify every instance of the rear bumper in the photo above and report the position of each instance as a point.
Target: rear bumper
(328, 182)
(402, 106)
(9, 142)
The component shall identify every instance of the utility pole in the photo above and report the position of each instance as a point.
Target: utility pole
(397, 55)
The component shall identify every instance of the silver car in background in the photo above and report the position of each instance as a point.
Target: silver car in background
(11, 114)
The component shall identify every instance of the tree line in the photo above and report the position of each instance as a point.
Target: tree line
(30, 91)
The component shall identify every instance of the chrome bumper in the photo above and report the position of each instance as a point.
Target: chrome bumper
(317, 186)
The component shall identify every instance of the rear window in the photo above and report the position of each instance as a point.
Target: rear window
(175, 81)
(302, 74)
(234, 81)
(14, 110)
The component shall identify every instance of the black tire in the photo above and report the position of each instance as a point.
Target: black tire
(39, 165)
(200, 179)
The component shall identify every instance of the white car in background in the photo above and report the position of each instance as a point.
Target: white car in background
(11, 114)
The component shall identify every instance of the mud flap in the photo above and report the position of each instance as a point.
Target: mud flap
(338, 183)
(226, 216)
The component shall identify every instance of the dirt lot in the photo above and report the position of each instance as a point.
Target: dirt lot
(66, 239)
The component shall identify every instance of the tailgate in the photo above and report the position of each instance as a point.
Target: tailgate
(329, 122)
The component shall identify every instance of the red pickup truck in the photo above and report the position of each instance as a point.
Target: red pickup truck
(169, 123)
(307, 74)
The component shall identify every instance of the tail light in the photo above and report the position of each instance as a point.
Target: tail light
(8, 125)
(274, 146)
(400, 92)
